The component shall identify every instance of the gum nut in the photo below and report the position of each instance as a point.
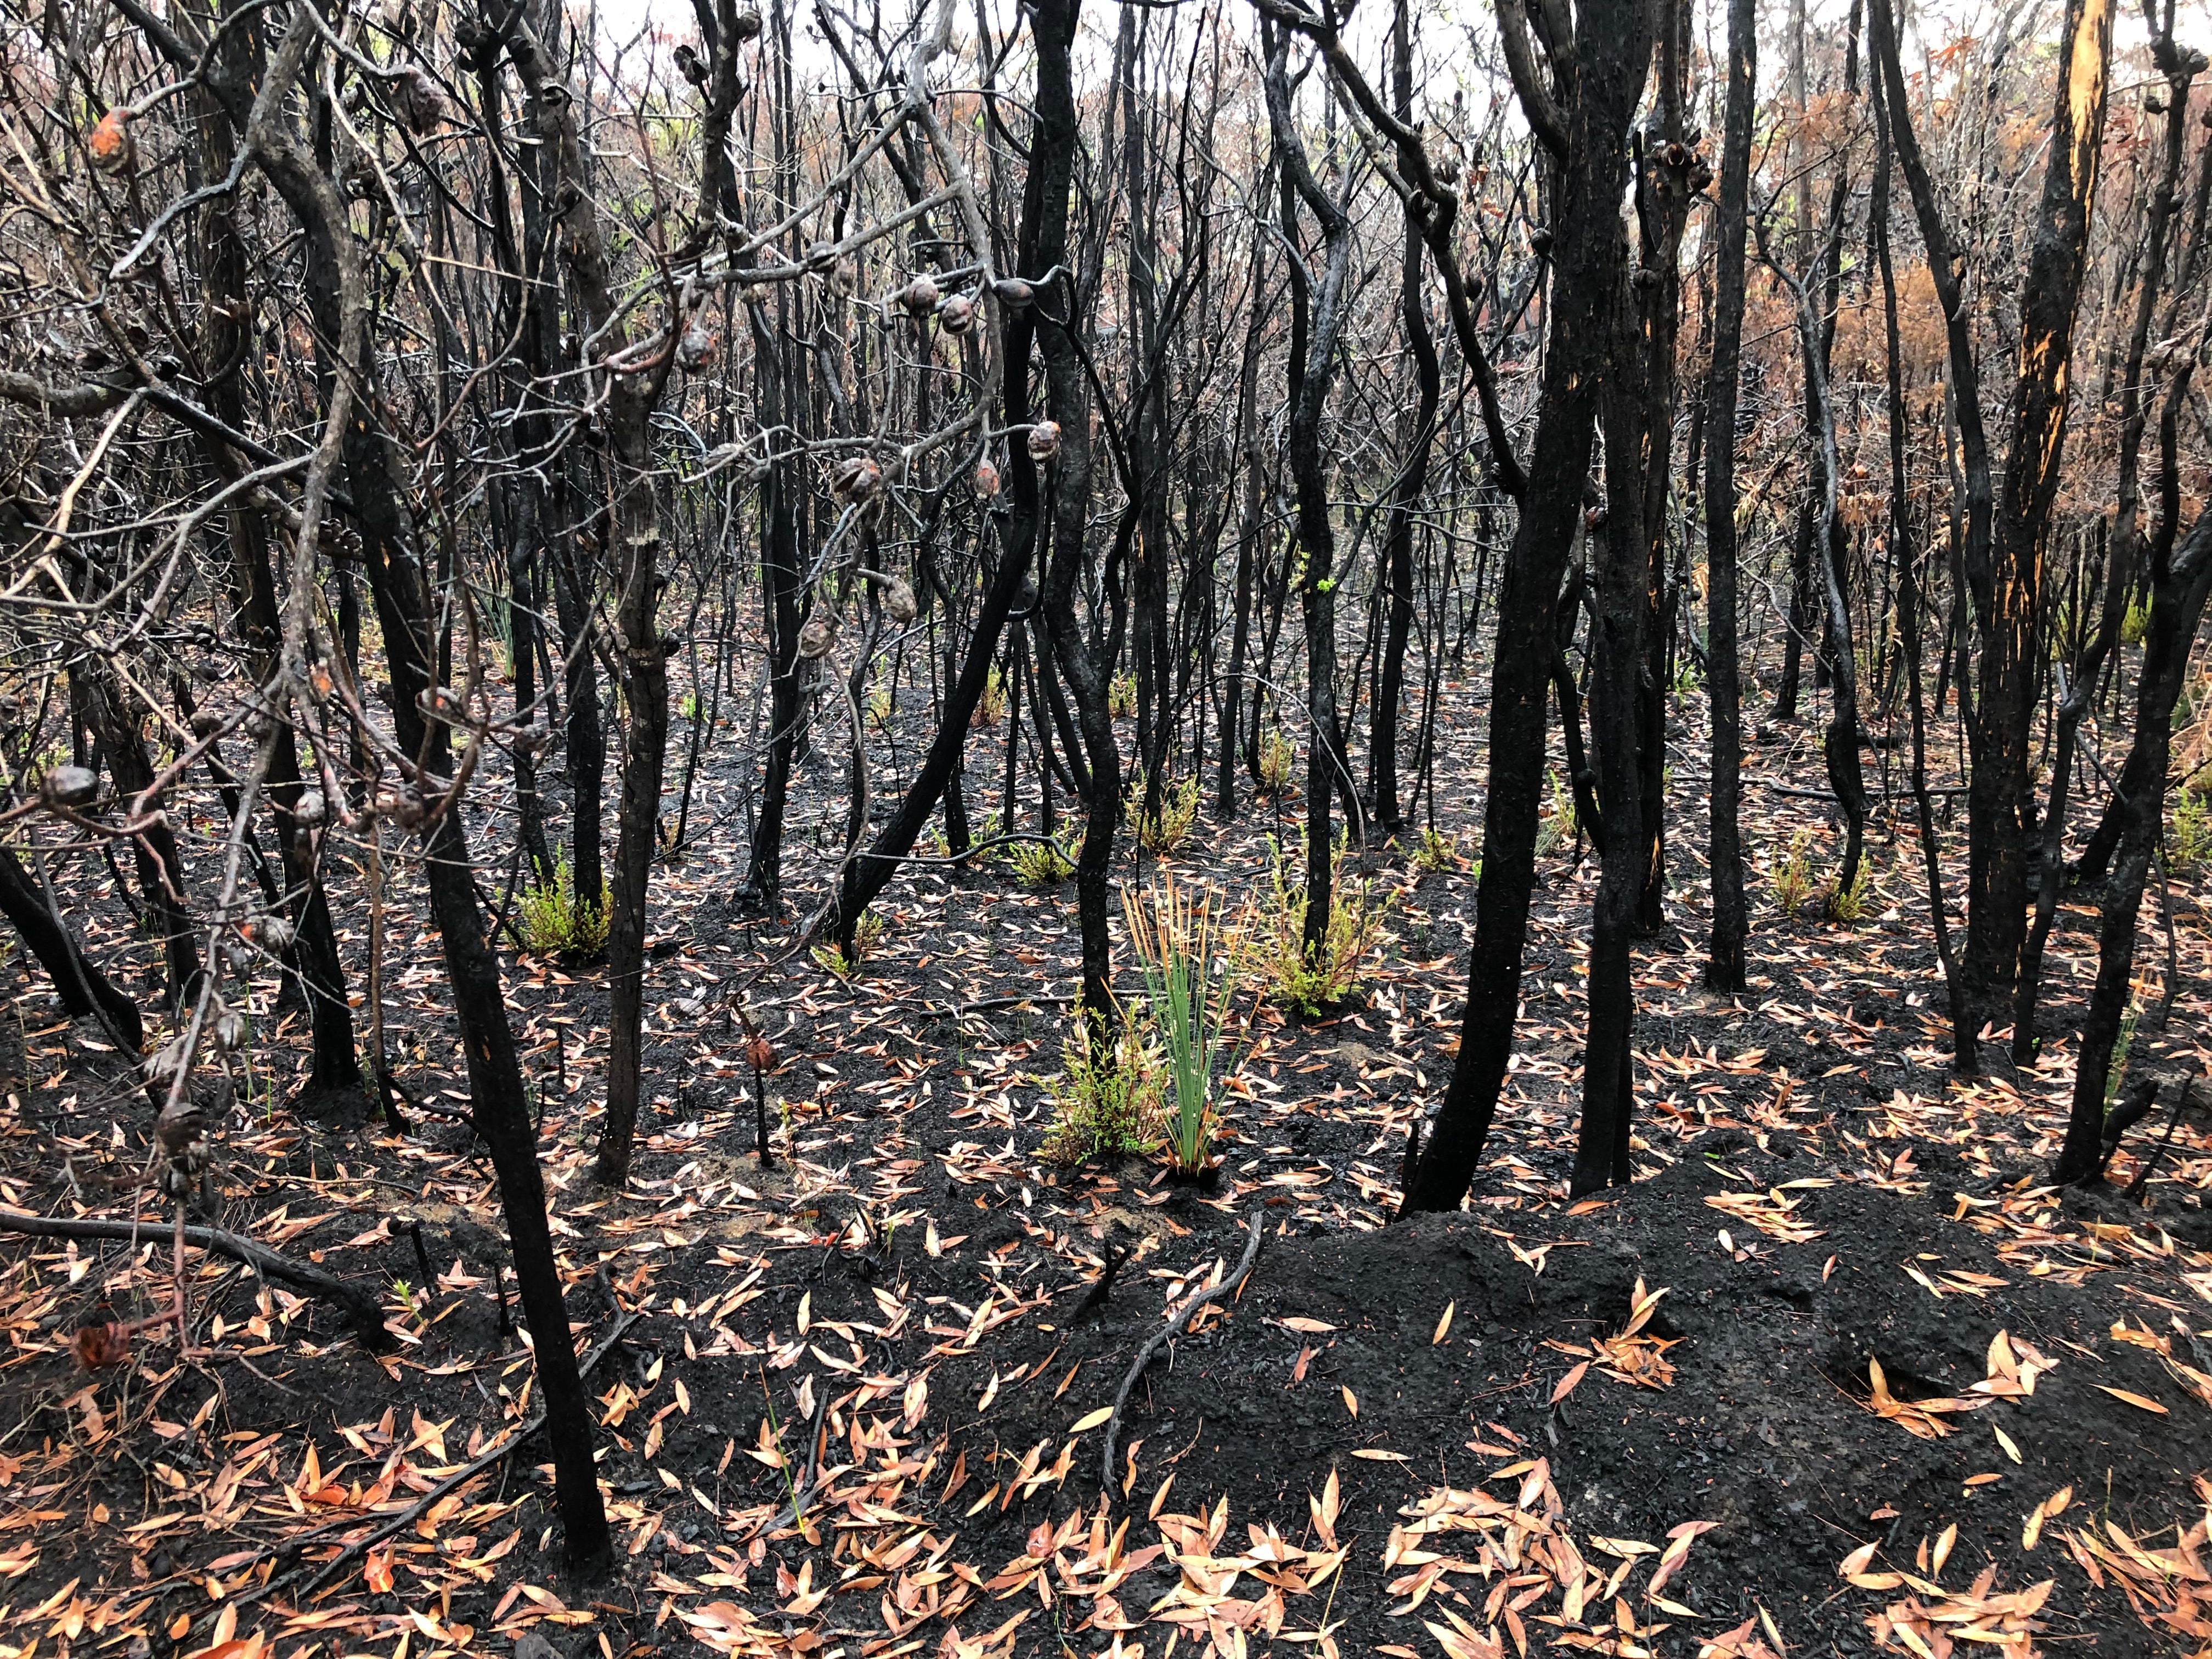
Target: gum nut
(859, 479)
(821, 256)
(898, 601)
(987, 478)
(818, 636)
(919, 296)
(68, 785)
(111, 144)
(1013, 293)
(1044, 441)
(402, 806)
(746, 25)
(312, 811)
(956, 314)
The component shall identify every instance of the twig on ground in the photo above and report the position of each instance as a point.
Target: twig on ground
(362, 1309)
(1167, 1333)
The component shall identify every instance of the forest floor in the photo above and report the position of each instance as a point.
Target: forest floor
(1881, 1387)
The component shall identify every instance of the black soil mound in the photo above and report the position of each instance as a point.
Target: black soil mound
(1456, 1341)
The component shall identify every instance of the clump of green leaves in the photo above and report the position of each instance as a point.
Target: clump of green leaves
(554, 922)
(1042, 863)
(867, 935)
(2189, 831)
(1167, 830)
(1109, 1099)
(1556, 829)
(1314, 981)
(1277, 755)
(2134, 621)
(991, 707)
(2126, 1040)
(879, 707)
(1190, 957)
(1849, 904)
(1789, 873)
(1433, 851)
(1121, 697)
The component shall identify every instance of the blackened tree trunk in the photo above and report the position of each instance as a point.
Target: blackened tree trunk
(2007, 584)
(1627, 736)
(1905, 555)
(2122, 577)
(1620, 570)
(584, 735)
(1946, 268)
(337, 297)
(1316, 326)
(633, 536)
(1041, 243)
(1725, 959)
(1145, 432)
(1798, 621)
(870, 873)
(783, 589)
(528, 312)
(1612, 46)
(1412, 477)
(1249, 531)
(1839, 743)
(1062, 496)
(780, 374)
(335, 1064)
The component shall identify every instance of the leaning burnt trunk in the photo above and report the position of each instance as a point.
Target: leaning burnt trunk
(338, 299)
(1040, 245)
(84, 988)
(2179, 580)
